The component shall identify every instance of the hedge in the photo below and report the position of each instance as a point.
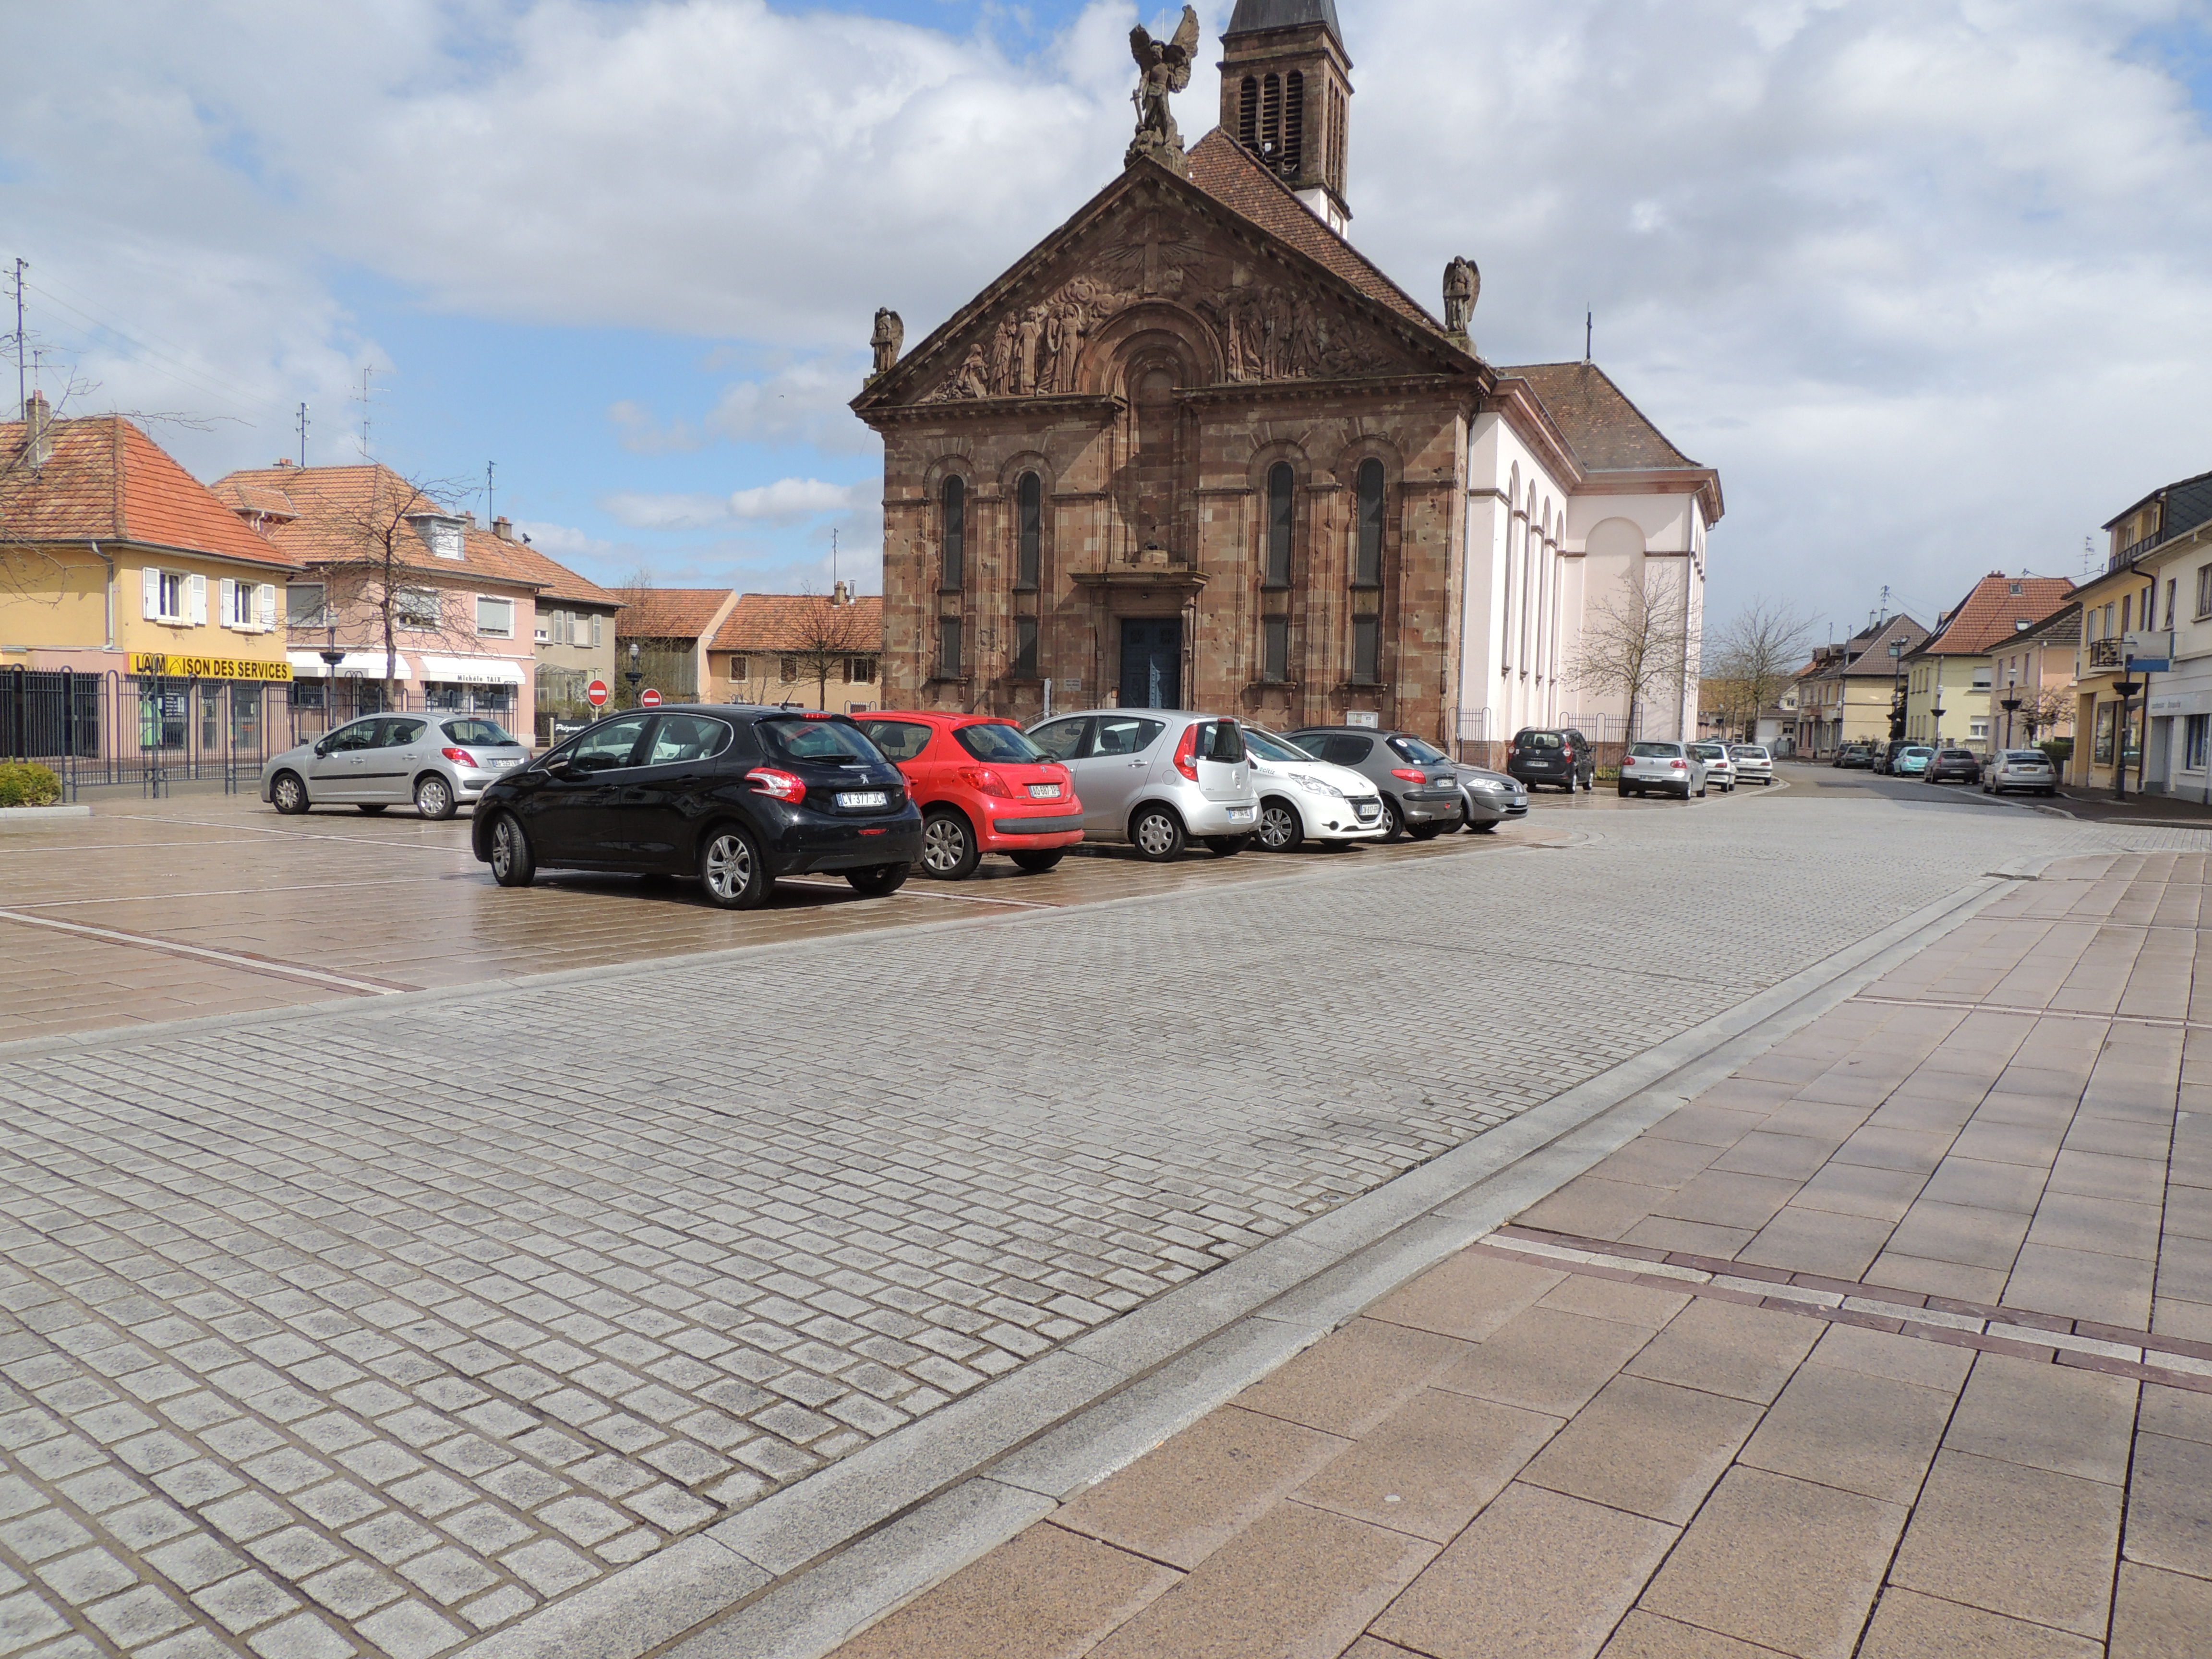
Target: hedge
(26, 783)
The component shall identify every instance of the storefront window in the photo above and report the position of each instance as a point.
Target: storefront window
(2100, 751)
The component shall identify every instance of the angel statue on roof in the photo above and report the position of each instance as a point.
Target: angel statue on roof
(1164, 67)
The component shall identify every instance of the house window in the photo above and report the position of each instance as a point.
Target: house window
(2171, 585)
(1367, 564)
(172, 601)
(1275, 648)
(419, 608)
(740, 668)
(1029, 539)
(495, 618)
(1977, 728)
(859, 671)
(2203, 590)
(1280, 485)
(303, 605)
(956, 537)
(786, 669)
(948, 647)
(1366, 650)
(238, 603)
(2196, 734)
(595, 629)
(1025, 647)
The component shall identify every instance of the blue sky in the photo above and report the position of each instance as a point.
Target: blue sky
(1929, 281)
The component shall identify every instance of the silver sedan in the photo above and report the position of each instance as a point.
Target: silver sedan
(1487, 798)
(439, 763)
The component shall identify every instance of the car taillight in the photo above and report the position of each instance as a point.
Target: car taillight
(782, 784)
(460, 757)
(1568, 753)
(1679, 765)
(989, 783)
(1409, 775)
(1185, 754)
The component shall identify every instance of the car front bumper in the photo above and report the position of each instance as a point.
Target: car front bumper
(1337, 818)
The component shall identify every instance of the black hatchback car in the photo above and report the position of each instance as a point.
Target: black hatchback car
(1953, 766)
(735, 795)
(1559, 755)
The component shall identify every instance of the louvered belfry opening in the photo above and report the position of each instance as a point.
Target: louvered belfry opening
(1290, 162)
(1248, 114)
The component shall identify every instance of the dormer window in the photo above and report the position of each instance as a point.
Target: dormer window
(441, 534)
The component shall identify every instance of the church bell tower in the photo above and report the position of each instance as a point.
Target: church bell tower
(1286, 96)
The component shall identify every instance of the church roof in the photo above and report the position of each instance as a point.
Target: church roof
(1253, 15)
(1232, 175)
(1609, 434)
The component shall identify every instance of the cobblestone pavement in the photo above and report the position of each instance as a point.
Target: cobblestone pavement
(376, 1329)
(1896, 1343)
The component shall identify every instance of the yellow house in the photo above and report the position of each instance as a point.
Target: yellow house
(1947, 702)
(121, 569)
(1846, 694)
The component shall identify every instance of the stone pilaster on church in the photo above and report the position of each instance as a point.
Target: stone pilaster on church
(1195, 448)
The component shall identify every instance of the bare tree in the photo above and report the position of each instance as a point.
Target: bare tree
(1759, 652)
(376, 548)
(2043, 707)
(657, 658)
(825, 634)
(1633, 643)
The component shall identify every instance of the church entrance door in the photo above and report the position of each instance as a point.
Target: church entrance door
(1151, 662)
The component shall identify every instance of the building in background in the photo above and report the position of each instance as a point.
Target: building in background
(2033, 671)
(824, 651)
(665, 635)
(2154, 603)
(1845, 694)
(574, 637)
(1948, 677)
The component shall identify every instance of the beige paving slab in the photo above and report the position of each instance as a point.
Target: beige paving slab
(1910, 1626)
(2170, 1505)
(1429, 1465)
(2014, 1540)
(2113, 1290)
(1354, 1378)
(1545, 1361)
(1817, 1241)
(1646, 1636)
(1724, 1347)
(2175, 1412)
(1901, 1358)
(1652, 1448)
(1606, 1299)
(1871, 1434)
(2046, 1417)
(2158, 1614)
(1470, 1296)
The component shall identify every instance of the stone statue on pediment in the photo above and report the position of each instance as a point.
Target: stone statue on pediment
(888, 339)
(1463, 287)
(1162, 68)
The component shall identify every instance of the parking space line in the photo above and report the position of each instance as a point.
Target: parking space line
(956, 898)
(230, 892)
(228, 958)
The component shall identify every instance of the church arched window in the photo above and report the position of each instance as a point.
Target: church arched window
(1367, 557)
(1029, 532)
(1280, 485)
(951, 567)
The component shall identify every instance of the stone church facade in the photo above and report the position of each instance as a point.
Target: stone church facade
(1194, 450)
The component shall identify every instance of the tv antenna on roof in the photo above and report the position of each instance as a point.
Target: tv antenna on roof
(1589, 332)
(365, 371)
(303, 437)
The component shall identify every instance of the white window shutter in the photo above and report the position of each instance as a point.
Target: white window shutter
(265, 605)
(197, 613)
(227, 603)
(151, 584)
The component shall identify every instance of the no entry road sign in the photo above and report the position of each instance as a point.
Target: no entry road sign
(648, 698)
(596, 693)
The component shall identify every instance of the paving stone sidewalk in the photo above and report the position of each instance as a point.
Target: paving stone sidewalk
(1896, 1344)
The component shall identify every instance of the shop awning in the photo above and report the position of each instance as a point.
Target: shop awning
(472, 671)
(361, 665)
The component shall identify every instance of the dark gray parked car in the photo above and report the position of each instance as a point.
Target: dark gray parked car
(1421, 794)
(1488, 798)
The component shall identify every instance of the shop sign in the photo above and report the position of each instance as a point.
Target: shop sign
(173, 666)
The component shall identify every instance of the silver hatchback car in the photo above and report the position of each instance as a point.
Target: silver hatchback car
(439, 763)
(1156, 778)
(1674, 769)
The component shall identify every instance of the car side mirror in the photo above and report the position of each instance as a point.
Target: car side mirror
(322, 749)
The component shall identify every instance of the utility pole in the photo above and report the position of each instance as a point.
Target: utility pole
(303, 437)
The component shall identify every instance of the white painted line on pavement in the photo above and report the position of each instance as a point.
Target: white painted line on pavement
(229, 958)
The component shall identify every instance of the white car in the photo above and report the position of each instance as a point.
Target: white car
(1655, 763)
(1753, 763)
(1301, 797)
(1719, 768)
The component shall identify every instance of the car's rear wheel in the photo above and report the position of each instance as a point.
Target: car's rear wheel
(1037, 863)
(1281, 828)
(1489, 829)
(878, 881)
(434, 797)
(733, 871)
(1226, 846)
(513, 863)
(1424, 831)
(1624, 792)
(1156, 833)
(1394, 821)
(949, 848)
(288, 794)
(372, 808)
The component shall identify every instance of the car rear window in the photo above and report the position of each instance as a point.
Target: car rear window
(991, 741)
(900, 740)
(1958, 754)
(832, 742)
(482, 734)
(1420, 753)
(2028, 758)
(1711, 751)
(1657, 750)
(1539, 740)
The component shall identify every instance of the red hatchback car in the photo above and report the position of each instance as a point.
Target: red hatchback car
(982, 787)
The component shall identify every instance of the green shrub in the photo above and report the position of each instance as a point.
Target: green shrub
(26, 783)
(2061, 750)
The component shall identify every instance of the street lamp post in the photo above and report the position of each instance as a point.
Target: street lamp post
(1896, 690)
(2011, 706)
(2126, 689)
(634, 673)
(331, 657)
(1935, 737)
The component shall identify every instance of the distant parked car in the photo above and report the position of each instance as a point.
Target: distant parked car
(1558, 756)
(1419, 784)
(437, 761)
(1674, 768)
(2021, 768)
(1911, 761)
(736, 796)
(1302, 796)
(982, 787)
(1753, 764)
(1719, 768)
(1954, 766)
(1488, 798)
(1859, 755)
(1156, 778)
(1885, 757)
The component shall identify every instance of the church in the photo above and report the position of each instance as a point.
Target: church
(1194, 450)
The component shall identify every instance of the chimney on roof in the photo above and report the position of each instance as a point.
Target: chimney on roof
(470, 513)
(840, 594)
(282, 460)
(503, 527)
(38, 430)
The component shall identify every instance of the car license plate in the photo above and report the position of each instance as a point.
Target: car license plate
(1237, 812)
(1044, 791)
(860, 797)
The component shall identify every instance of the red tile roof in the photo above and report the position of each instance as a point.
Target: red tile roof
(1992, 613)
(1229, 173)
(670, 613)
(796, 622)
(560, 583)
(1609, 434)
(104, 480)
(340, 514)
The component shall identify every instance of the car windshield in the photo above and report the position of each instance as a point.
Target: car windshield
(1421, 754)
(990, 741)
(825, 742)
(484, 734)
(1538, 740)
(1657, 750)
(1269, 747)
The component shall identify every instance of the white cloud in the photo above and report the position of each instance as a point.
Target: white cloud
(642, 434)
(804, 403)
(641, 511)
(560, 541)
(790, 499)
